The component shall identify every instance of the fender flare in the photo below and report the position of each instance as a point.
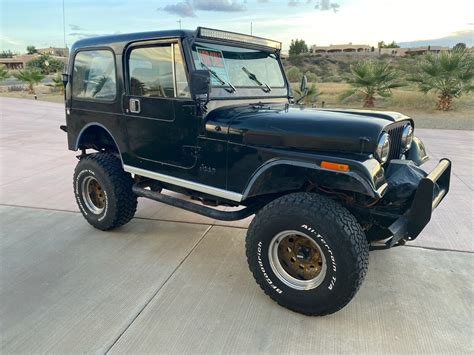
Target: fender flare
(94, 124)
(364, 177)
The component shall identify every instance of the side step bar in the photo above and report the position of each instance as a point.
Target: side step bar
(193, 207)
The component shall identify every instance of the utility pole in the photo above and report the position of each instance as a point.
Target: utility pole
(64, 25)
(179, 21)
(251, 28)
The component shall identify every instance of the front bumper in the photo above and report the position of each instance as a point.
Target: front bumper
(430, 192)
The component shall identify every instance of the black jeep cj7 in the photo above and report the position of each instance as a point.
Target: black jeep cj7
(210, 114)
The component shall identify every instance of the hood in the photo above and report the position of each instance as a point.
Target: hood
(297, 127)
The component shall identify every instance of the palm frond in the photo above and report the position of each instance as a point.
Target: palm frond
(449, 73)
(372, 78)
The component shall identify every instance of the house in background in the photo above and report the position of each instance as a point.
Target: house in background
(401, 52)
(341, 48)
(367, 49)
(54, 51)
(19, 61)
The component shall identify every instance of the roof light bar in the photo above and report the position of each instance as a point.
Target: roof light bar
(237, 37)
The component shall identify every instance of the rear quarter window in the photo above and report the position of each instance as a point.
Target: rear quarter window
(94, 75)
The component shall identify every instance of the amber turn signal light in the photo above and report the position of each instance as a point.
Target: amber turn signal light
(334, 166)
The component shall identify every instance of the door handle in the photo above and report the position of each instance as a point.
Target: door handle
(134, 105)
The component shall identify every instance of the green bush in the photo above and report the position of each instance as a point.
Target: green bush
(294, 74)
(45, 64)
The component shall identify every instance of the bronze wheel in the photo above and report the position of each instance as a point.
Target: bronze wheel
(93, 195)
(103, 191)
(297, 260)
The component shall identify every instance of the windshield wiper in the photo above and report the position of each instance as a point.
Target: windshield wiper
(231, 87)
(252, 76)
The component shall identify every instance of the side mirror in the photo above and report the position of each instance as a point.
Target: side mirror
(304, 84)
(303, 88)
(200, 84)
(65, 78)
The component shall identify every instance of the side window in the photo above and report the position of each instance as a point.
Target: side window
(153, 73)
(94, 75)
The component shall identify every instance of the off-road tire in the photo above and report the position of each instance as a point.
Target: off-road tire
(120, 202)
(337, 234)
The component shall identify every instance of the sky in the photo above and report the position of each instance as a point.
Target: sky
(321, 22)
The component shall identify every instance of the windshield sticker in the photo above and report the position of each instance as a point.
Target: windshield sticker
(214, 60)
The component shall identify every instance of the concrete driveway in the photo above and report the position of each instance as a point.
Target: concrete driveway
(172, 281)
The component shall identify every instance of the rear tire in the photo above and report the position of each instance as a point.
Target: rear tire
(308, 253)
(103, 191)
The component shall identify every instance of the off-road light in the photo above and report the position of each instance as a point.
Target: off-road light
(237, 37)
(334, 166)
(383, 148)
(407, 137)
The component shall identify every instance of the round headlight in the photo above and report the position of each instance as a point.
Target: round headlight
(407, 138)
(383, 148)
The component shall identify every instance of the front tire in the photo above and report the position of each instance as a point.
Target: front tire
(103, 191)
(308, 253)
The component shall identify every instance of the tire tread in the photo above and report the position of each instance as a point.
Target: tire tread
(308, 203)
(122, 187)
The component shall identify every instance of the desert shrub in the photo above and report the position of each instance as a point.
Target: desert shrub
(294, 74)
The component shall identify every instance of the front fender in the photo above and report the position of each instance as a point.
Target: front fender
(280, 175)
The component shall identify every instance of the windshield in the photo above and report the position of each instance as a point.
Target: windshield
(236, 67)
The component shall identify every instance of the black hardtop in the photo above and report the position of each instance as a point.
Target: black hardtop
(121, 40)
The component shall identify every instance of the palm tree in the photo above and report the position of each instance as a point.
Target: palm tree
(31, 77)
(58, 83)
(4, 74)
(372, 79)
(449, 74)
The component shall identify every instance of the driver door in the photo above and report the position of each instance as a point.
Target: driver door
(160, 116)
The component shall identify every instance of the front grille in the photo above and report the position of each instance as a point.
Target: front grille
(395, 131)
